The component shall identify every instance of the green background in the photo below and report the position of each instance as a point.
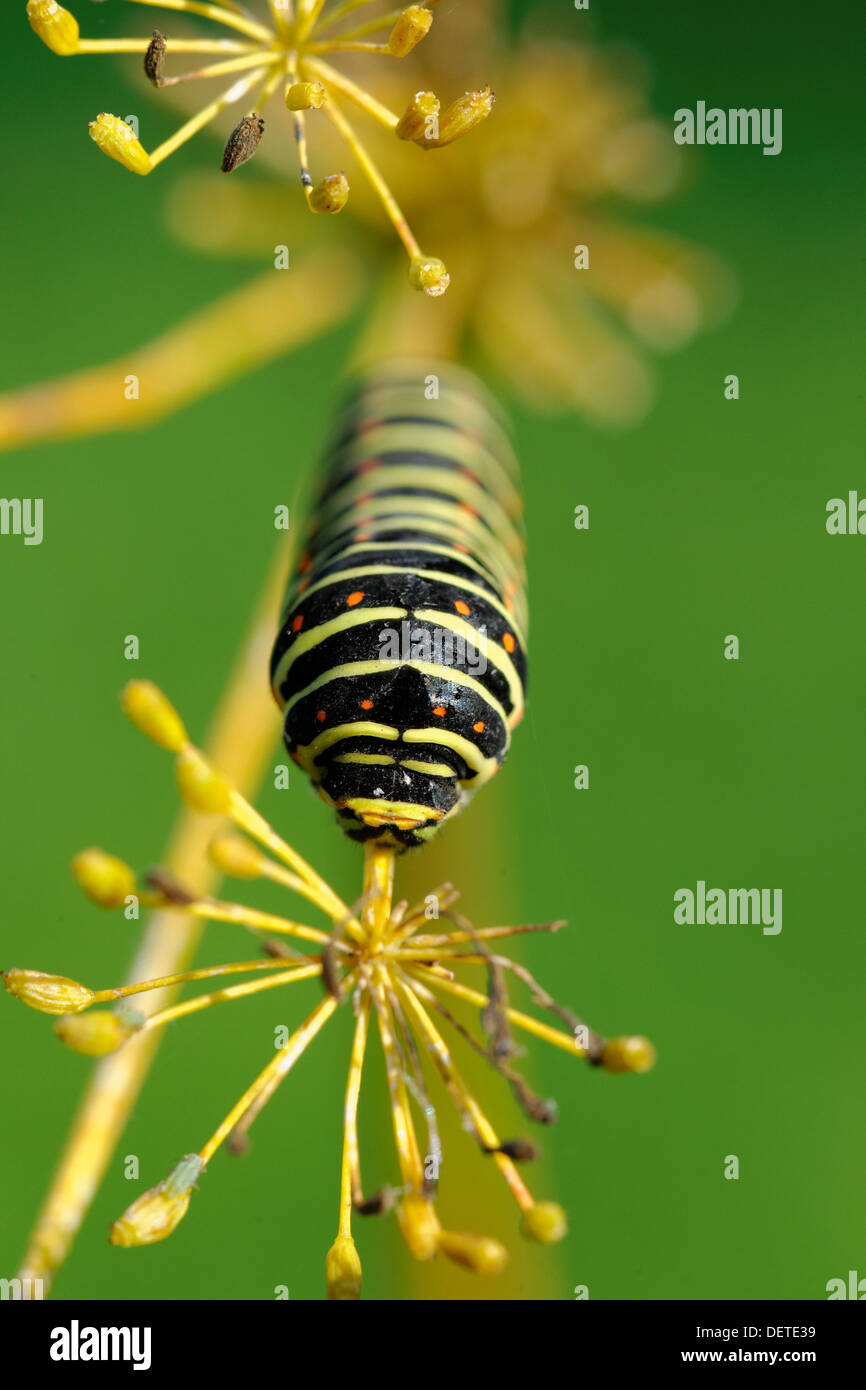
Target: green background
(706, 520)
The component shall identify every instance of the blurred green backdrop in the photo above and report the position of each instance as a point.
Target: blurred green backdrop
(706, 520)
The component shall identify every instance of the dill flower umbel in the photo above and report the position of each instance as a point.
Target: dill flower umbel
(557, 285)
(377, 957)
(573, 148)
(287, 54)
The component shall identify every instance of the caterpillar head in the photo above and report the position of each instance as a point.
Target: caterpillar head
(399, 801)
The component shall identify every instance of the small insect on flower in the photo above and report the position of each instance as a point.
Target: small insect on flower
(400, 668)
(287, 53)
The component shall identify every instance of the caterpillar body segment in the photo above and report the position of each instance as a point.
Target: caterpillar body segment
(400, 662)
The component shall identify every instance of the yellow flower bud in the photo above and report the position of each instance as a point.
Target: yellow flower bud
(331, 195)
(428, 273)
(233, 855)
(545, 1222)
(94, 1034)
(156, 1213)
(55, 26)
(201, 786)
(305, 96)
(419, 1225)
(481, 1254)
(107, 881)
(465, 113)
(628, 1054)
(420, 119)
(116, 139)
(147, 708)
(50, 994)
(409, 30)
(343, 1270)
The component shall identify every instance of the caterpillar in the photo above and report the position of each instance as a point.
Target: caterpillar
(400, 664)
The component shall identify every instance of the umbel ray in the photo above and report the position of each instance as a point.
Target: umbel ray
(400, 668)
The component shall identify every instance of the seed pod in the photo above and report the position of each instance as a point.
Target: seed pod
(428, 273)
(343, 1270)
(243, 142)
(235, 856)
(158, 1212)
(305, 96)
(106, 880)
(544, 1222)
(94, 1034)
(116, 139)
(49, 994)
(56, 27)
(465, 113)
(154, 58)
(331, 195)
(409, 30)
(419, 121)
(628, 1054)
(481, 1254)
(147, 708)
